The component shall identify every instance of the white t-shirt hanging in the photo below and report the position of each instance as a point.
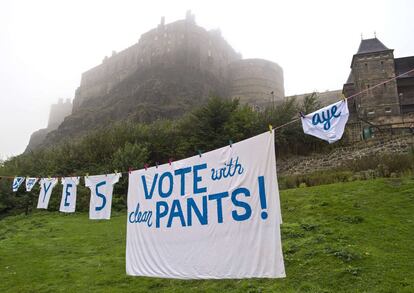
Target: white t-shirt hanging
(17, 181)
(327, 123)
(30, 183)
(68, 202)
(46, 187)
(101, 187)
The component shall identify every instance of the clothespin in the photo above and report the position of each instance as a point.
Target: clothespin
(48, 176)
(199, 153)
(146, 166)
(270, 128)
(116, 171)
(87, 175)
(343, 97)
(156, 164)
(301, 114)
(169, 161)
(231, 143)
(129, 170)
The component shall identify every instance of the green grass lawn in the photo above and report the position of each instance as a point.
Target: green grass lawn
(353, 237)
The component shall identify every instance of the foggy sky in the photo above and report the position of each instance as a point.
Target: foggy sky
(46, 45)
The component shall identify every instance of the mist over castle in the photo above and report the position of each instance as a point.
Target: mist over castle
(171, 69)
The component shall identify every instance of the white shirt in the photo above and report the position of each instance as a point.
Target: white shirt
(46, 187)
(68, 202)
(101, 187)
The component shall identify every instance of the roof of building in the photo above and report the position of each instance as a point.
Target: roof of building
(403, 65)
(371, 46)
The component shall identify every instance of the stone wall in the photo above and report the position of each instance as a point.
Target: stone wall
(184, 44)
(167, 46)
(342, 155)
(256, 81)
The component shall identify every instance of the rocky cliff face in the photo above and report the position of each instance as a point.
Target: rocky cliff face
(145, 96)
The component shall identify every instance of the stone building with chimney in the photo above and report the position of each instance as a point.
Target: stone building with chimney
(387, 99)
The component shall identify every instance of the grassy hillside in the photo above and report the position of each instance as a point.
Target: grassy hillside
(352, 237)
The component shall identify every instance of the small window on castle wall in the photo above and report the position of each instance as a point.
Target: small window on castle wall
(388, 110)
(371, 112)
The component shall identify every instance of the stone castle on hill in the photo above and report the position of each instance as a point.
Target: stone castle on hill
(185, 43)
(172, 68)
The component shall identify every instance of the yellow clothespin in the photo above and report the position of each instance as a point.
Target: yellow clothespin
(116, 171)
(87, 175)
(270, 128)
(343, 97)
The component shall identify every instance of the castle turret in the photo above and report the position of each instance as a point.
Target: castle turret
(58, 112)
(371, 65)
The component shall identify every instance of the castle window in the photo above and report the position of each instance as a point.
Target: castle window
(371, 112)
(387, 110)
(382, 66)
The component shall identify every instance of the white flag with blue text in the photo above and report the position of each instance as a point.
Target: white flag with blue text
(327, 123)
(101, 187)
(214, 216)
(46, 188)
(17, 181)
(30, 183)
(68, 201)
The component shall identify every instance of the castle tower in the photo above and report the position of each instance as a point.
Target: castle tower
(58, 112)
(373, 64)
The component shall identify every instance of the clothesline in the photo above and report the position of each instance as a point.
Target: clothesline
(270, 128)
(351, 96)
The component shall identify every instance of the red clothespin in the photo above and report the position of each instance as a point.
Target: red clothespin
(146, 166)
(129, 170)
(169, 161)
(301, 114)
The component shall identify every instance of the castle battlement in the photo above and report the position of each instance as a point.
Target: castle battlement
(181, 44)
